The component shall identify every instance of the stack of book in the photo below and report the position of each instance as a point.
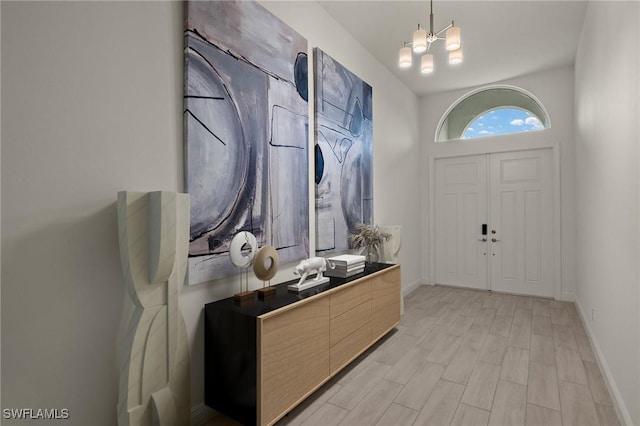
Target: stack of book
(345, 265)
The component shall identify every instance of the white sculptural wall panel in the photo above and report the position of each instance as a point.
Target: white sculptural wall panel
(154, 362)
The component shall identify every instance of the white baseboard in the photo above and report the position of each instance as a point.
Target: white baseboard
(564, 296)
(201, 415)
(411, 287)
(621, 408)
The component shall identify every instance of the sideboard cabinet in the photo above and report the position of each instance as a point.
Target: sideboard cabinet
(264, 357)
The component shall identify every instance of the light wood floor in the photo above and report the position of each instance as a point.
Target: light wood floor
(464, 357)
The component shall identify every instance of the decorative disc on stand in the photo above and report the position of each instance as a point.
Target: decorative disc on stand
(242, 238)
(241, 261)
(265, 266)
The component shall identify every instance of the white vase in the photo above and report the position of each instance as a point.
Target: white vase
(371, 254)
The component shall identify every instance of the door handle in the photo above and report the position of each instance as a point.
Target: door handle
(495, 240)
(483, 239)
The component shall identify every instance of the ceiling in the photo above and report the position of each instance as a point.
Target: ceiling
(500, 39)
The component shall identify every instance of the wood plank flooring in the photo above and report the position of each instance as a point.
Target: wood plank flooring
(465, 357)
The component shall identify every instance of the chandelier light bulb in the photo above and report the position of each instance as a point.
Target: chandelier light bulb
(404, 60)
(453, 38)
(455, 56)
(426, 64)
(419, 40)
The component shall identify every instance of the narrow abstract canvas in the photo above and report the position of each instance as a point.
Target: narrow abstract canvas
(246, 134)
(343, 153)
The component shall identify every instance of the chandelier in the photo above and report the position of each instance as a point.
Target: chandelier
(422, 42)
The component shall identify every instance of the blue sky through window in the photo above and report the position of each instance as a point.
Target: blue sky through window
(502, 121)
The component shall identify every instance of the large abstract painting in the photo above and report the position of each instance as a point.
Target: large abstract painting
(246, 134)
(343, 153)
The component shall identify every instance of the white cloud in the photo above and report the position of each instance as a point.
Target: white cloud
(517, 122)
(534, 122)
(470, 129)
(481, 124)
(483, 132)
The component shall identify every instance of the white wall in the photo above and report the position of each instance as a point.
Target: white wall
(92, 103)
(607, 94)
(554, 89)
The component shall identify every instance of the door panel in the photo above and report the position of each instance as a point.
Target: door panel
(461, 209)
(508, 223)
(532, 232)
(521, 214)
(512, 192)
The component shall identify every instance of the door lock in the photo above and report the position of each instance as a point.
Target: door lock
(495, 240)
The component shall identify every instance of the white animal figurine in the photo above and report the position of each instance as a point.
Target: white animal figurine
(313, 264)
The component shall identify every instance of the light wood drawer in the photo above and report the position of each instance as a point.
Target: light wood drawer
(291, 328)
(293, 357)
(389, 277)
(345, 350)
(349, 298)
(385, 302)
(384, 320)
(350, 321)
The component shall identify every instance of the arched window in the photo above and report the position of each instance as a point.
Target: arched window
(492, 111)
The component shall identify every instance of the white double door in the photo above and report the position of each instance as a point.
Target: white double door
(511, 195)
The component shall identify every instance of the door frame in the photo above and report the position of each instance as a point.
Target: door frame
(556, 210)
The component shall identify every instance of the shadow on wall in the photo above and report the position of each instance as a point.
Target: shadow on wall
(62, 290)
